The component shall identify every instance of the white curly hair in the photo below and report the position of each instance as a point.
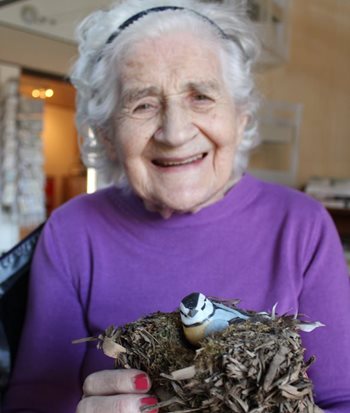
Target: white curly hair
(95, 72)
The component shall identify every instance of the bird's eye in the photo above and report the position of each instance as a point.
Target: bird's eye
(203, 306)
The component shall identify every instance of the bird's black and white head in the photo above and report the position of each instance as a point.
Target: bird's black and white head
(195, 308)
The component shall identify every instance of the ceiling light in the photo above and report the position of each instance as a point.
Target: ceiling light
(42, 93)
(49, 93)
(36, 93)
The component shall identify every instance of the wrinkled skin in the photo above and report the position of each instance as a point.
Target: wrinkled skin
(176, 127)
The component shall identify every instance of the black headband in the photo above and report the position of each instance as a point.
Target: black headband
(143, 13)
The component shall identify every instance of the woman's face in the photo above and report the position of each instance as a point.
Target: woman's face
(177, 127)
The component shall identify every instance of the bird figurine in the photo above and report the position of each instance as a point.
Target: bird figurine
(201, 317)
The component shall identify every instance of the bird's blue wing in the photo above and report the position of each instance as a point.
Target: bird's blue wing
(228, 313)
(216, 326)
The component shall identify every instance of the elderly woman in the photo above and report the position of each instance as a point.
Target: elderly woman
(166, 88)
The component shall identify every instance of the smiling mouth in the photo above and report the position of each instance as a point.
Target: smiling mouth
(166, 163)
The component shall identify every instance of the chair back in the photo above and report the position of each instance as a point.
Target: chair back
(14, 277)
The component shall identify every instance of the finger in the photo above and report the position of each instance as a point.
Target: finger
(111, 382)
(123, 403)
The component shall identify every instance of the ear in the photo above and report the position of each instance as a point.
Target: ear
(242, 120)
(109, 144)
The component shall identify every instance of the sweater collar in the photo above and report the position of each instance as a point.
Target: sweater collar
(237, 198)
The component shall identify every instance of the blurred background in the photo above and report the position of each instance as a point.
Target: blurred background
(303, 75)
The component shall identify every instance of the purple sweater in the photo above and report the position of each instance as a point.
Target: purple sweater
(102, 259)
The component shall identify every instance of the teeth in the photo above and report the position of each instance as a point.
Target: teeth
(185, 162)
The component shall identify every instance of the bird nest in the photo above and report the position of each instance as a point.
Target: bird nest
(255, 366)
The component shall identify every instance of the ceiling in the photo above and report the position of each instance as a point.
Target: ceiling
(57, 19)
(53, 18)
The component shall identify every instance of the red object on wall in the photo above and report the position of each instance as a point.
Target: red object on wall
(49, 194)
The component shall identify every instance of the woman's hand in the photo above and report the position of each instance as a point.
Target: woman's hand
(116, 391)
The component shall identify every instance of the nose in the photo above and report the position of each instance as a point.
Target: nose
(176, 127)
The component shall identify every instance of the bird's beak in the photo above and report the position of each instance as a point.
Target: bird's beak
(192, 312)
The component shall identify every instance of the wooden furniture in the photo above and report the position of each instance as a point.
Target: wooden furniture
(73, 185)
(341, 218)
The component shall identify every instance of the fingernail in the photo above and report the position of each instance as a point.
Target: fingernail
(149, 401)
(141, 382)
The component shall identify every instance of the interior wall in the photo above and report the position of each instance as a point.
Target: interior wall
(34, 51)
(317, 75)
(61, 151)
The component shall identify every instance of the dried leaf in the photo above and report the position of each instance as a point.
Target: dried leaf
(275, 365)
(112, 349)
(184, 374)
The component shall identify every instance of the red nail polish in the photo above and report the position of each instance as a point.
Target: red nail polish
(141, 382)
(149, 401)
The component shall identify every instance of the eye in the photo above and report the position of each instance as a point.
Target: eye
(203, 306)
(143, 107)
(200, 97)
(201, 101)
